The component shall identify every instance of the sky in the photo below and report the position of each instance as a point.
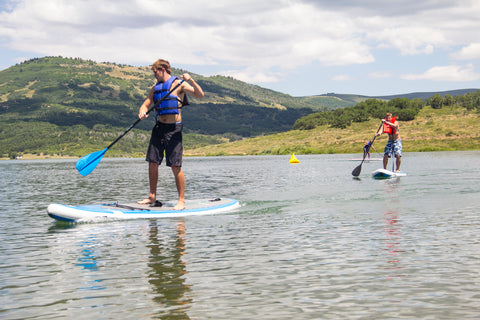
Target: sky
(298, 47)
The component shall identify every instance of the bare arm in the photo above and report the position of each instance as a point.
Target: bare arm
(191, 87)
(142, 112)
(395, 125)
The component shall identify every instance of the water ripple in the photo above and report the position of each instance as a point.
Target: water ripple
(309, 242)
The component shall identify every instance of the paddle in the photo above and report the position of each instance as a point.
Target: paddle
(357, 170)
(86, 164)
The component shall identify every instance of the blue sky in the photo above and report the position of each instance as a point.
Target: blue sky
(298, 47)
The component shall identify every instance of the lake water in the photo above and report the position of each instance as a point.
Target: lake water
(309, 242)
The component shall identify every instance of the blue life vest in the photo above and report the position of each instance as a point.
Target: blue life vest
(169, 105)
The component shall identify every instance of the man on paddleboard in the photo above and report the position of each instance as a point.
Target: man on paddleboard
(394, 144)
(167, 134)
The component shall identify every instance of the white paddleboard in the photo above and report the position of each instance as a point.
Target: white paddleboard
(387, 174)
(116, 211)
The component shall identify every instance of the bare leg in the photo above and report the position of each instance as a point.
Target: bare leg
(153, 178)
(180, 182)
(399, 161)
(385, 161)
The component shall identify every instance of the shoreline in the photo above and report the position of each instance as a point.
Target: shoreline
(193, 155)
(29, 156)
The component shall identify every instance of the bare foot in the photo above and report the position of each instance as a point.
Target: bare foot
(180, 206)
(146, 201)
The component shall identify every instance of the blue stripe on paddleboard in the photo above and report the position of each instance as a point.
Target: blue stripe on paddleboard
(101, 210)
(60, 218)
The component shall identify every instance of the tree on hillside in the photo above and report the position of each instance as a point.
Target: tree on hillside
(436, 101)
(448, 100)
(404, 108)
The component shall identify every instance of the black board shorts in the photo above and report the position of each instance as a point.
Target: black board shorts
(166, 139)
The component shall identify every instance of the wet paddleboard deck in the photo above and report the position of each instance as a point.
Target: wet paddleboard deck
(387, 174)
(116, 211)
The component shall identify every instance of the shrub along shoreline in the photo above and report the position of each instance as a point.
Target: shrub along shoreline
(445, 129)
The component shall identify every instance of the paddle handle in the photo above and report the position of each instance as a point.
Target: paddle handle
(149, 110)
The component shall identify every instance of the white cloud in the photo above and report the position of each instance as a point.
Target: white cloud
(469, 52)
(341, 77)
(252, 36)
(250, 76)
(255, 40)
(452, 73)
(381, 7)
(410, 40)
(380, 75)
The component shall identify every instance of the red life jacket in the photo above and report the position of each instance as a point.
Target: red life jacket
(388, 128)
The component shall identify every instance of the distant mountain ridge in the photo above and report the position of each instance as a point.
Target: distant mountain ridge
(426, 95)
(352, 99)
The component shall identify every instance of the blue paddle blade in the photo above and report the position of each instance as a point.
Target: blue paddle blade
(86, 164)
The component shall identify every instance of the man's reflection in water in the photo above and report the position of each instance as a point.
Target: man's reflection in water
(168, 270)
(392, 229)
(393, 237)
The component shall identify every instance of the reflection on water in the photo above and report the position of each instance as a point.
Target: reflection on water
(168, 270)
(393, 227)
(88, 259)
(393, 242)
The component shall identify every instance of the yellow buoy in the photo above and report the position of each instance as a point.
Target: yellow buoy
(294, 159)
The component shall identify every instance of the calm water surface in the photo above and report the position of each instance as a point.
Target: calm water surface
(309, 242)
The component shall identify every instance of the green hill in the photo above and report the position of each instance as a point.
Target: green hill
(445, 129)
(70, 107)
(337, 100)
(69, 92)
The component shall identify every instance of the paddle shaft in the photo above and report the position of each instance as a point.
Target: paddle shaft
(149, 110)
(374, 137)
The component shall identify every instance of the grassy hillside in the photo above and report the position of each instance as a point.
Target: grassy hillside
(65, 91)
(71, 107)
(56, 105)
(433, 130)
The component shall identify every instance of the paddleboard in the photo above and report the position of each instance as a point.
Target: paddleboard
(116, 211)
(387, 174)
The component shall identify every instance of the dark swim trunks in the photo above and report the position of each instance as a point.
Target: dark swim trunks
(166, 138)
